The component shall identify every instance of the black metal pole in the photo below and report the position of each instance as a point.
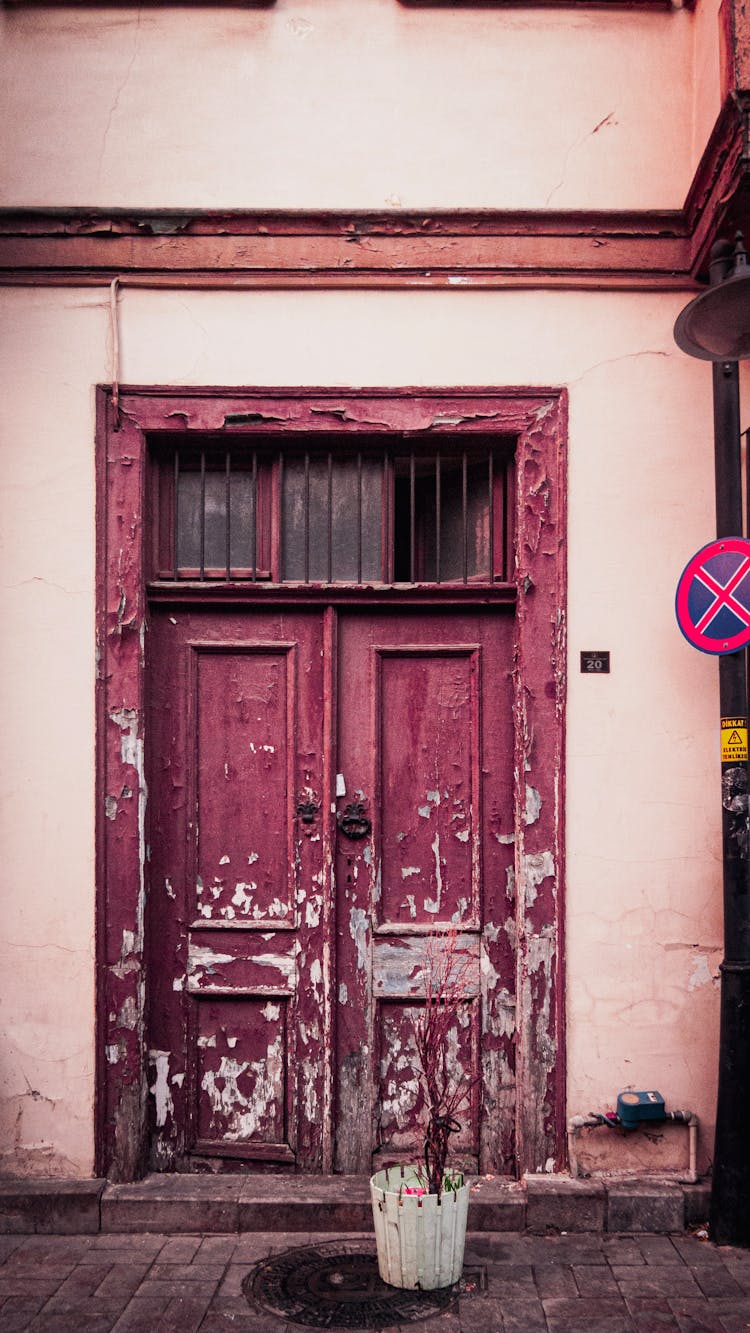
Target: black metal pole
(730, 1195)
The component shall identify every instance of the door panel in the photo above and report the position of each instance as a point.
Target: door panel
(424, 711)
(242, 701)
(236, 987)
(427, 783)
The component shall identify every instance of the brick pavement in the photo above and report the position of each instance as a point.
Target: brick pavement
(582, 1283)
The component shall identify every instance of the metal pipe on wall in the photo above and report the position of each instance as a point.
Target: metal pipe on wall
(730, 1213)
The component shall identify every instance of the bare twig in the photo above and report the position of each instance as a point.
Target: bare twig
(446, 977)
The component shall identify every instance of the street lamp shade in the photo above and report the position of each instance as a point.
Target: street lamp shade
(715, 326)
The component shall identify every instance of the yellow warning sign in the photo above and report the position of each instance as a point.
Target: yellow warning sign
(733, 740)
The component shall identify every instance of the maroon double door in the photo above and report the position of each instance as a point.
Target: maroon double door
(328, 788)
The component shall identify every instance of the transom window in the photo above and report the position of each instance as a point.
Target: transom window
(327, 514)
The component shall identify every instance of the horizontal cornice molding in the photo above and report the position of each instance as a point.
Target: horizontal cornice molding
(435, 249)
(341, 250)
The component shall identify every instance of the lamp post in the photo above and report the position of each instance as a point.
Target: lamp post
(715, 327)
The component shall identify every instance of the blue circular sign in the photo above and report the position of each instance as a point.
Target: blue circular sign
(713, 597)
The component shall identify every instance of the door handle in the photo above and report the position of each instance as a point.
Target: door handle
(353, 821)
(307, 810)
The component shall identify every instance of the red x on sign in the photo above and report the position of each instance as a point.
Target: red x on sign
(713, 597)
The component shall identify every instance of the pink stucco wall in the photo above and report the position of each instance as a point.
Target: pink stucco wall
(373, 105)
(335, 105)
(643, 924)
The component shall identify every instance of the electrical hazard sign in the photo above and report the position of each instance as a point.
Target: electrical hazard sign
(734, 740)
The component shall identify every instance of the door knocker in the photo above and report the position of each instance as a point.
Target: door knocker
(353, 821)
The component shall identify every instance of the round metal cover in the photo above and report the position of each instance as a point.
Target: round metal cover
(338, 1286)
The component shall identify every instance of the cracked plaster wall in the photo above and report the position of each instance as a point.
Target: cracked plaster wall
(367, 105)
(643, 844)
(51, 355)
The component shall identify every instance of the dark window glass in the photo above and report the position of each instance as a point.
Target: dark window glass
(331, 519)
(380, 515)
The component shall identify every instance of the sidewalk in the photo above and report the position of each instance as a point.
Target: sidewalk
(589, 1282)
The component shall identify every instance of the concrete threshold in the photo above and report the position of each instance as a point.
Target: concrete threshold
(543, 1204)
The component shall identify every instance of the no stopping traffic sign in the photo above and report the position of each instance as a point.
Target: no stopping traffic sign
(713, 597)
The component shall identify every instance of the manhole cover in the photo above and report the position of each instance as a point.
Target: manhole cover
(338, 1286)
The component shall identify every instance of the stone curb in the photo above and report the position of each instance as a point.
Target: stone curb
(284, 1203)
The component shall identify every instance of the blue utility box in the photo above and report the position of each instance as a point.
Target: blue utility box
(633, 1108)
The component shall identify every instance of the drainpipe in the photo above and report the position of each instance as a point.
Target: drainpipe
(730, 1212)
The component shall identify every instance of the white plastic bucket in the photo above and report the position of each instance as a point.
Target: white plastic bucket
(420, 1238)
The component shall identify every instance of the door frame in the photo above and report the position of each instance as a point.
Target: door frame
(537, 419)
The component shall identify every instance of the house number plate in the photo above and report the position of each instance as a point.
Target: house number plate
(595, 664)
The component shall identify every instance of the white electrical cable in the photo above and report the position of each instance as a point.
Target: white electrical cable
(115, 334)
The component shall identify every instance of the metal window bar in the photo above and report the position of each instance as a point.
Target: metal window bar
(228, 507)
(412, 519)
(329, 567)
(465, 514)
(437, 517)
(386, 558)
(491, 513)
(359, 518)
(255, 515)
(203, 514)
(307, 517)
(175, 508)
(280, 523)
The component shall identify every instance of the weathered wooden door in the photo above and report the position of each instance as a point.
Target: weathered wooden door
(239, 1021)
(425, 743)
(280, 1004)
(335, 589)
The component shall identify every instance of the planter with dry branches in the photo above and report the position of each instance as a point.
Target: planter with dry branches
(420, 1210)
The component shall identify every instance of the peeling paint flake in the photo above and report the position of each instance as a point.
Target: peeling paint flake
(159, 1089)
(702, 974)
(533, 805)
(358, 925)
(204, 957)
(243, 896)
(537, 866)
(241, 1115)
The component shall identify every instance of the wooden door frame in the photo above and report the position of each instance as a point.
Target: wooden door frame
(537, 419)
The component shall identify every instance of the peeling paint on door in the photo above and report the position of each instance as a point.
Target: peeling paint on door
(159, 1089)
(469, 841)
